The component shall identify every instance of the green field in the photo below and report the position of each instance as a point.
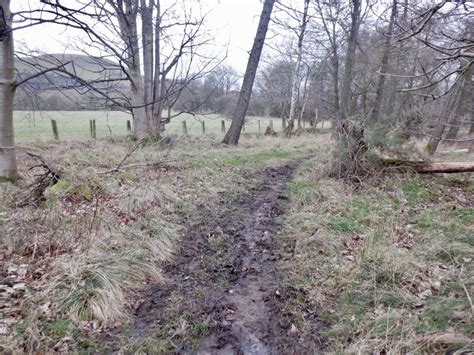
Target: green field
(31, 126)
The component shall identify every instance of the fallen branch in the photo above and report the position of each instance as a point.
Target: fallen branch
(131, 166)
(50, 176)
(50, 168)
(431, 168)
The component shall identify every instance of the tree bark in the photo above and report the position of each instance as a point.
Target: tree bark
(238, 119)
(441, 125)
(158, 80)
(341, 122)
(462, 104)
(127, 20)
(8, 165)
(379, 96)
(147, 40)
(296, 73)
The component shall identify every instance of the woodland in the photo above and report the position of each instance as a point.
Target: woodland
(155, 199)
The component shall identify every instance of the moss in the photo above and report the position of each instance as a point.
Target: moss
(12, 180)
(128, 177)
(81, 190)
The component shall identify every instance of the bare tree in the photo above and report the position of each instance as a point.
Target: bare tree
(156, 49)
(379, 95)
(341, 126)
(331, 14)
(233, 134)
(296, 81)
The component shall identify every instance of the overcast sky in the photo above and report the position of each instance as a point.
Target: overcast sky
(232, 21)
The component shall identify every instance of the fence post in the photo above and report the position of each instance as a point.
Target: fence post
(259, 128)
(304, 124)
(223, 126)
(185, 128)
(55, 130)
(129, 126)
(271, 124)
(93, 129)
(203, 126)
(283, 124)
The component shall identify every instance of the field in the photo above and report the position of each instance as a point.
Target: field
(180, 246)
(31, 126)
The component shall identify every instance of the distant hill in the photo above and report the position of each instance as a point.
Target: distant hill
(85, 67)
(58, 91)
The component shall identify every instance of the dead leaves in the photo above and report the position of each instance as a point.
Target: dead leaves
(13, 290)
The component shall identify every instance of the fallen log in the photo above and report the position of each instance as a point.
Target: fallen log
(447, 168)
(430, 167)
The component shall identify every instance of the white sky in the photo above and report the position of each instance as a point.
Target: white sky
(233, 22)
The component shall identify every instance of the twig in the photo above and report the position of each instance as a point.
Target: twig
(130, 152)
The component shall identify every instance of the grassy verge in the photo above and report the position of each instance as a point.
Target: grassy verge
(76, 263)
(386, 268)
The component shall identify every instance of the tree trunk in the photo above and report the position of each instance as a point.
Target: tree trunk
(335, 77)
(238, 119)
(147, 40)
(463, 103)
(296, 73)
(8, 166)
(127, 20)
(379, 96)
(441, 125)
(341, 123)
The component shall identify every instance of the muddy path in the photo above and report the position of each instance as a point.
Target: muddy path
(222, 286)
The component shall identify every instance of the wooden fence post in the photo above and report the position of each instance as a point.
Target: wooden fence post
(129, 126)
(185, 128)
(55, 130)
(271, 124)
(203, 127)
(283, 124)
(259, 128)
(92, 127)
(223, 126)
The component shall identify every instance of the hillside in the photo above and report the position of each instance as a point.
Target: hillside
(61, 91)
(86, 67)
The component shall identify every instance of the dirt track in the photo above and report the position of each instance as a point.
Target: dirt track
(224, 274)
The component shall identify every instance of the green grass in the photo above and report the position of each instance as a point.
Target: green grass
(30, 126)
(416, 191)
